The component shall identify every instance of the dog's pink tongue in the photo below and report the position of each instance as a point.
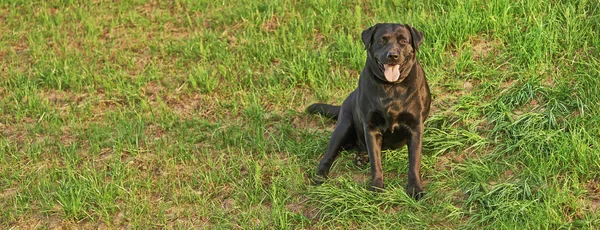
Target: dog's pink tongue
(392, 72)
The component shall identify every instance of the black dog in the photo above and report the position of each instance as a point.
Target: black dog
(388, 108)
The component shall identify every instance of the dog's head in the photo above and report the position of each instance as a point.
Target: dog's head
(392, 49)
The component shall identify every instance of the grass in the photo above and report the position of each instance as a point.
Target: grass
(190, 114)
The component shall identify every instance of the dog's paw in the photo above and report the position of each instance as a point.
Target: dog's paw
(377, 185)
(415, 192)
(361, 159)
(375, 189)
(318, 180)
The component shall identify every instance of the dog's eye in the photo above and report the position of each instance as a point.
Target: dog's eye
(403, 41)
(382, 41)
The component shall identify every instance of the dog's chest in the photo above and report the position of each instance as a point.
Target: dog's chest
(398, 115)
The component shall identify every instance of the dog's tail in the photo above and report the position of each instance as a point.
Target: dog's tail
(330, 111)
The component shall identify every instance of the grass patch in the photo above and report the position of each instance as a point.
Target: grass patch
(188, 114)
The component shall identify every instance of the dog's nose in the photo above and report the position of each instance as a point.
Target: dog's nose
(392, 55)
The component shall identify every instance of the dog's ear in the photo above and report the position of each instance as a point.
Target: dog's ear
(416, 37)
(367, 36)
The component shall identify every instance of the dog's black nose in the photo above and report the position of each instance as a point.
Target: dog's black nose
(392, 55)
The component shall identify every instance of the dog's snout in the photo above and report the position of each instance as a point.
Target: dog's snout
(393, 55)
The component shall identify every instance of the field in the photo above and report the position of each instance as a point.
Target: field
(191, 114)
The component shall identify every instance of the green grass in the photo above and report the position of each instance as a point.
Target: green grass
(190, 114)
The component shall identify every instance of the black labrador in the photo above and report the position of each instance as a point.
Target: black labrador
(387, 109)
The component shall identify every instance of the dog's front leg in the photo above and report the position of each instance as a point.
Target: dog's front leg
(373, 139)
(414, 188)
(340, 135)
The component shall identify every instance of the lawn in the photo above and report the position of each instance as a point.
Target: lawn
(191, 114)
